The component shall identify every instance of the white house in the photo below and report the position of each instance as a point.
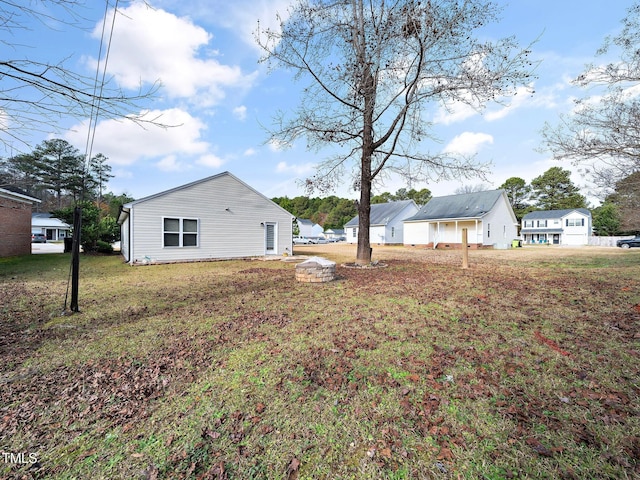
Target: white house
(217, 217)
(53, 228)
(334, 233)
(487, 216)
(309, 229)
(559, 227)
(385, 222)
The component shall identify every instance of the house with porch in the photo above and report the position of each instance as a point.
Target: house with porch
(571, 226)
(487, 216)
(53, 228)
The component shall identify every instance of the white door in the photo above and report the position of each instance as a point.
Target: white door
(270, 238)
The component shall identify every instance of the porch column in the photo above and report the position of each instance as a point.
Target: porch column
(476, 220)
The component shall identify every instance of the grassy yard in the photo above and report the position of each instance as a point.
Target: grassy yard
(525, 365)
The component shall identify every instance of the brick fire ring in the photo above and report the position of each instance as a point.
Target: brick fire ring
(316, 270)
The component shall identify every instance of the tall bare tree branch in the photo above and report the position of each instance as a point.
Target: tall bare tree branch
(372, 68)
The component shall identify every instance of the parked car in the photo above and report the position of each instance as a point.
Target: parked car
(38, 238)
(301, 240)
(629, 242)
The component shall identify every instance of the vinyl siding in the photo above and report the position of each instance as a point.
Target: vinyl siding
(229, 215)
(503, 226)
(449, 230)
(417, 233)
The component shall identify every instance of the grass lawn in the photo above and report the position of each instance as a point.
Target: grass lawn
(525, 365)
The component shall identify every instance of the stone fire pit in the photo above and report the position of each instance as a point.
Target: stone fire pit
(316, 270)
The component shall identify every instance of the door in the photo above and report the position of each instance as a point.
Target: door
(270, 238)
(556, 238)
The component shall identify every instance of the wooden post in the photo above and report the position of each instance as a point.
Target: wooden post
(465, 249)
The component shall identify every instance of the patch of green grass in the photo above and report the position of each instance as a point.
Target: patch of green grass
(512, 369)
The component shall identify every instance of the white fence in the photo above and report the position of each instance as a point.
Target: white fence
(606, 241)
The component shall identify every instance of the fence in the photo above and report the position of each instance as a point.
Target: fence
(606, 241)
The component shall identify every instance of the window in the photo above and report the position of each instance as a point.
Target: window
(542, 223)
(488, 230)
(528, 224)
(393, 232)
(180, 232)
(575, 222)
(353, 233)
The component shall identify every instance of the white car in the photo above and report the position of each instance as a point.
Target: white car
(301, 240)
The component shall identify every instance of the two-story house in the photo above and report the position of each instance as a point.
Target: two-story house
(558, 227)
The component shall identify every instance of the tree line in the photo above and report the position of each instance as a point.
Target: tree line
(57, 173)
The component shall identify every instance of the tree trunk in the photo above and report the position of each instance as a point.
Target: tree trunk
(363, 256)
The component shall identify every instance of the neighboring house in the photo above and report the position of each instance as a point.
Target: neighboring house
(53, 228)
(571, 226)
(218, 217)
(487, 216)
(309, 229)
(385, 222)
(15, 222)
(334, 233)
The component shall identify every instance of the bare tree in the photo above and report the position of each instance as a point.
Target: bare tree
(35, 95)
(602, 133)
(373, 67)
(478, 187)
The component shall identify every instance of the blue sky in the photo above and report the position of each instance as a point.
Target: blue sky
(204, 54)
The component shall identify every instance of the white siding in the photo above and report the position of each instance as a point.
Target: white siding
(500, 220)
(417, 233)
(575, 234)
(351, 236)
(397, 224)
(231, 218)
(376, 234)
(502, 225)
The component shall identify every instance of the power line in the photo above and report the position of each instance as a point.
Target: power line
(98, 88)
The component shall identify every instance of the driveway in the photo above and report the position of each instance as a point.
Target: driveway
(47, 247)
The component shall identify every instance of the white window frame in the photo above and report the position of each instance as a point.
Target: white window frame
(181, 232)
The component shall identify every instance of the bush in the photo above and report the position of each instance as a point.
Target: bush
(103, 247)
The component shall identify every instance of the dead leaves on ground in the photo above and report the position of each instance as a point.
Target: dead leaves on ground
(122, 392)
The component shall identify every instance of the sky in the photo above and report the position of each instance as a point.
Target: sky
(204, 54)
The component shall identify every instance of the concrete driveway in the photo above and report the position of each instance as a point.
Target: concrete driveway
(47, 247)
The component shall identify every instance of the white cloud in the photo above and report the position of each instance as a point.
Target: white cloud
(300, 170)
(240, 112)
(521, 98)
(468, 143)
(126, 143)
(170, 164)
(454, 112)
(241, 16)
(211, 161)
(151, 44)
(250, 152)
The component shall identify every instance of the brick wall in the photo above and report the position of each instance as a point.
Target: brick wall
(15, 228)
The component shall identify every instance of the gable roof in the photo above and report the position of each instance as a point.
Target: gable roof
(551, 214)
(18, 195)
(382, 213)
(47, 220)
(127, 206)
(304, 221)
(466, 205)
